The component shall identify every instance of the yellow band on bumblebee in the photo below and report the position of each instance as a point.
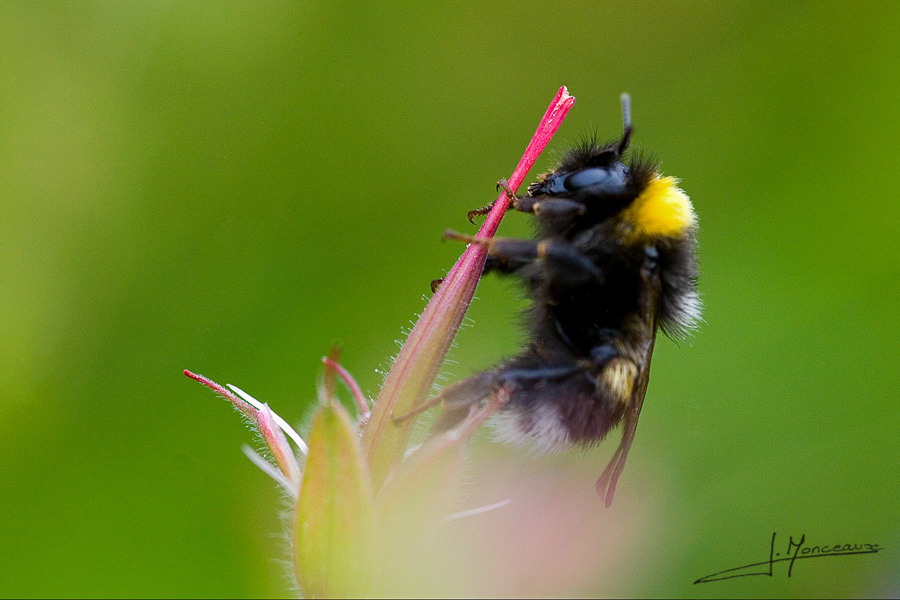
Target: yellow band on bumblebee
(661, 210)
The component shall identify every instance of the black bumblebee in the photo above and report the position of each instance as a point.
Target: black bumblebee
(613, 261)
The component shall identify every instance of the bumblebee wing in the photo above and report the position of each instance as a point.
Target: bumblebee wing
(650, 302)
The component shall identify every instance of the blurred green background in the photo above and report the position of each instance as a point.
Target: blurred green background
(229, 187)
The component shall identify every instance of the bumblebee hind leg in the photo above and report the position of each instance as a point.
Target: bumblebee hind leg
(460, 397)
(457, 399)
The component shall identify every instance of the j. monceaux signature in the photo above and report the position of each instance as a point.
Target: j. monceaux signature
(797, 549)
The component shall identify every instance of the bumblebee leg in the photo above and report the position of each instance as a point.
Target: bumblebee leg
(502, 183)
(514, 200)
(425, 406)
(520, 203)
(491, 265)
(525, 204)
(558, 209)
(489, 207)
(479, 211)
(459, 397)
(548, 208)
(521, 252)
(510, 377)
(457, 400)
(503, 266)
(580, 268)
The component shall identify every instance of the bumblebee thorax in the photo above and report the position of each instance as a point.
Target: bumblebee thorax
(662, 209)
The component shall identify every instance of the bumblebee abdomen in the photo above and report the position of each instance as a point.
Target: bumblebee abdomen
(553, 415)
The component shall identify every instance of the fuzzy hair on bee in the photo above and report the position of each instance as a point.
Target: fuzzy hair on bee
(613, 261)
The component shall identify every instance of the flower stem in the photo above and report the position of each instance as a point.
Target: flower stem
(412, 376)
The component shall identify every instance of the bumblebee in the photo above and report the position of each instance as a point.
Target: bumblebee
(613, 261)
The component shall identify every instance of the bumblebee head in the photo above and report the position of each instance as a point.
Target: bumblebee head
(591, 170)
(594, 175)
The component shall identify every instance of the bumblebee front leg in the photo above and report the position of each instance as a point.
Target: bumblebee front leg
(545, 207)
(522, 204)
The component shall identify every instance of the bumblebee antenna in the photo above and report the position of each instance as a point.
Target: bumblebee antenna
(626, 121)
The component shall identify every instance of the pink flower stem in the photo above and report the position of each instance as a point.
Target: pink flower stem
(245, 408)
(412, 376)
(362, 404)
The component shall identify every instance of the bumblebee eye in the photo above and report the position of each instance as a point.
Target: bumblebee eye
(597, 180)
(600, 181)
